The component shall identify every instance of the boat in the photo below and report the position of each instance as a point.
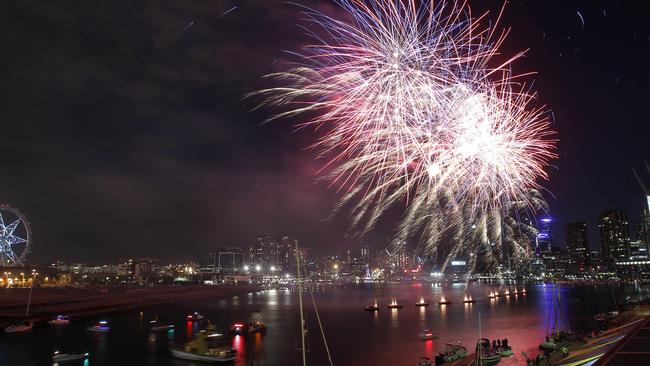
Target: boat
(492, 295)
(427, 334)
(505, 352)
(453, 352)
(421, 303)
(101, 327)
(195, 316)
(256, 326)
(425, 361)
(394, 305)
(468, 300)
(155, 326)
(60, 320)
(548, 345)
(25, 326)
(507, 293)
(60, 357)
(373, 307)
(239, 328)
(443, 301)
(198, 349)
(486, 355)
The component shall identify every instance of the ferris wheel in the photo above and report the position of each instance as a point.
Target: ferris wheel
(15, 237)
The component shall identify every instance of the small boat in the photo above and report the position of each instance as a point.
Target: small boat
(60, 357)
(487, 355)
(505, 352)
(468, 300)
(162, 327)
(239, 328)
(427, 334)
(60, 320)
(507, 293)
(443, 301)
(421, 303)
(101, 327)
(523, 291)
(453, 352)
(195, 316)
(548, 345)
(374, 307)
(211, 355)
(256, 327)
(492, 295)
(200, 349)
(425, 361)
(394, 305)
(25, 326)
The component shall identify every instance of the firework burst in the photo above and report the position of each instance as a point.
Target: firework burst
(416, 114)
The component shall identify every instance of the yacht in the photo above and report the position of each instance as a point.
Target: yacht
(421, 303)
(427, 334)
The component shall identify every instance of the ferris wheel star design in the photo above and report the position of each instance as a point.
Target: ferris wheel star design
(9, 254)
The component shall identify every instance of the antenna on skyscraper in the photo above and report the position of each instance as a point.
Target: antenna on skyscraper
(638, 178)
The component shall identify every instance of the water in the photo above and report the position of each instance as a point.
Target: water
(355, 337)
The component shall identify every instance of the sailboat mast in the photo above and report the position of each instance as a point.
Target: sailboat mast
(302, 318)
(29, 298)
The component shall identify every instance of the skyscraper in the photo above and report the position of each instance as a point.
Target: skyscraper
(614, 237)
(545, 236)
(578, 245)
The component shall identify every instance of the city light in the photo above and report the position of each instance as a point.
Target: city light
(258, 268)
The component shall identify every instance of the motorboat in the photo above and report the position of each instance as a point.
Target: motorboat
(212, 355)
(468, 300)
(421, 303)
(373, 307)
(394, 305)
(60, 356)
(60, 320)
(548, 345)
(100, 327)
(487, 354)
(25, 326)
(453, 352)
(505, 352)
(444, 301)
(156, 326)
(199, 349)
(492, 295)
(427, 334)
(239, 328)
(256, 327)
(195, 316)
(425, 361)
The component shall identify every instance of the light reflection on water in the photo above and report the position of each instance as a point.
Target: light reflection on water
(387, 336)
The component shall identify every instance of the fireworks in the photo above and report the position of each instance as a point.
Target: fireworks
(417, 115)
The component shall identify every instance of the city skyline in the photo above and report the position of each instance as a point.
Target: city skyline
(157, 151)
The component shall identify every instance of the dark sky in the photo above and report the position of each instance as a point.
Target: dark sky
(124, 131)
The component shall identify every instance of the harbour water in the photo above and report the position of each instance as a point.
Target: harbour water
(354, 336)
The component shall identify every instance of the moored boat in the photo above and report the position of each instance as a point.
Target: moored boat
(373, 307)
(199, 350)
(194, 316)
(468, 300)
(425, 361)
(60, 357)
(421, 302)
(60, 320)
(25, 326)
(453, 352)
(443, 301)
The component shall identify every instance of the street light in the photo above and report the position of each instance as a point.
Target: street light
(272, 268)
(246, 268)
(258, 268)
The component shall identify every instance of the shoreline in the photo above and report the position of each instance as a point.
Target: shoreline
(86, 303)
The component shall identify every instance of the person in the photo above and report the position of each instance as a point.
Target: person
(504, 343)
(565, 351)
(498, 343)
(494, 343)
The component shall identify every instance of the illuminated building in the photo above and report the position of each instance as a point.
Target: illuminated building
(544, 236)
(578, 245)
(614, 237)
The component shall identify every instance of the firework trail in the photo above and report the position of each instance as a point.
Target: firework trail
(417, 115)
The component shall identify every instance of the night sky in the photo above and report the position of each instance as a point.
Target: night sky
(124, 131)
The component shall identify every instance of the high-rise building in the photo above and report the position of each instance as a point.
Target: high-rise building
(230, 260)
(265, 251)
(614, 237)
(578, 245)
(544, 236)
